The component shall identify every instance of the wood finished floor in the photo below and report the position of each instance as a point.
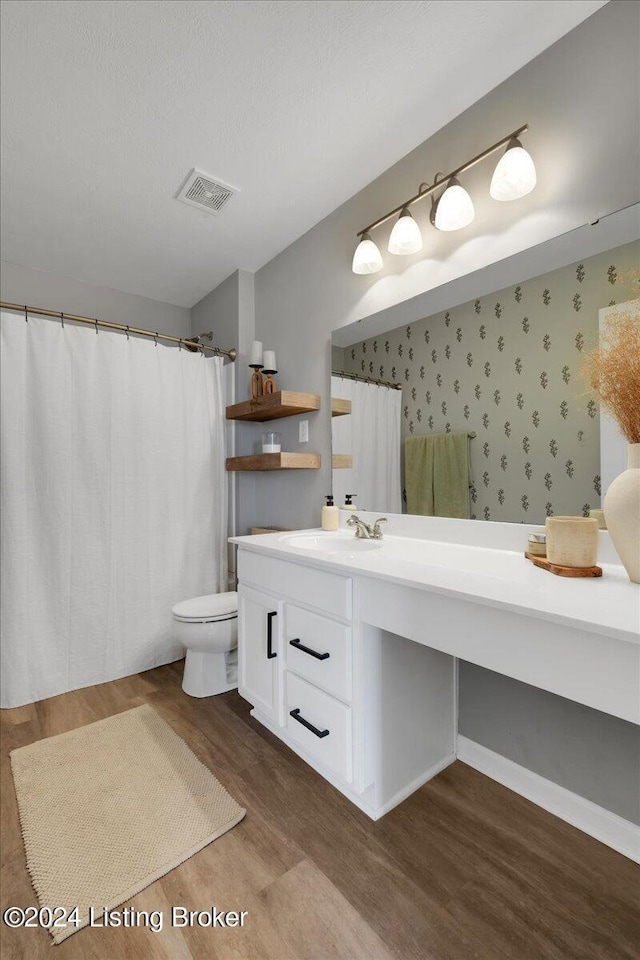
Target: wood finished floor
(462, 869)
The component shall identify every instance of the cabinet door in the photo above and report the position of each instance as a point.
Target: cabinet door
(259, 647)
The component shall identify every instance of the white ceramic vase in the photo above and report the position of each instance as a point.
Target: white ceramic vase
(622, 513)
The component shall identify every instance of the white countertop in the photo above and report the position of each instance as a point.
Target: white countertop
(501, 578)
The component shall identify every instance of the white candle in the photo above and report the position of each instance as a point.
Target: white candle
(256, 353)
(271, 443)
(270, 360)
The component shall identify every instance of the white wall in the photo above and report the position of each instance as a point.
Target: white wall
(48, 290)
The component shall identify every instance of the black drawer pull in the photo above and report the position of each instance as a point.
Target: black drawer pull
(270, 651)
(305, 723)
(312, 653)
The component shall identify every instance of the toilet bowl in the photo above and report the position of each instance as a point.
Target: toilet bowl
(208, 628)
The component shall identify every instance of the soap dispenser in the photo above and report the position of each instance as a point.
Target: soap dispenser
(348, 502)
(330, 515)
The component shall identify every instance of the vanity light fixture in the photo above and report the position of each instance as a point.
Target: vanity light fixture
(454, 210)
(367, 258)
(514, 177)
(405, 237)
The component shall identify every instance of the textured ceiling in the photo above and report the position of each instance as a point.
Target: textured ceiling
(106, 106)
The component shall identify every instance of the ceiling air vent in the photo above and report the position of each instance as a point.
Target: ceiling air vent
(205, 192)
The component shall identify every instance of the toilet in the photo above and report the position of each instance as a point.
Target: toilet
(208, 628)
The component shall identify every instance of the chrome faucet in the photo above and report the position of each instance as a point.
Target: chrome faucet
(364, 531)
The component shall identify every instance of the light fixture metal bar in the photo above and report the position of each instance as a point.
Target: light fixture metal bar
(426, 189)
(107, 324)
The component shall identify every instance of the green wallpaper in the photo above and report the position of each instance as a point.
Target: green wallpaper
(507, 367)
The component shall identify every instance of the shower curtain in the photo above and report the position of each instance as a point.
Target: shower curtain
(113, 502)
(371, 434)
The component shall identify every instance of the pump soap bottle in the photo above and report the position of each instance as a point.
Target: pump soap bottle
(348, 502)
(330, 515)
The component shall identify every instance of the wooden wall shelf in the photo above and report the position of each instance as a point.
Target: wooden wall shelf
(275, 461)
(340, 408)
(274, 406)
(341, 461)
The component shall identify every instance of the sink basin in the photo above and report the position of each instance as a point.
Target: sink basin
(398, 551)
(331, 544)
(463, 559)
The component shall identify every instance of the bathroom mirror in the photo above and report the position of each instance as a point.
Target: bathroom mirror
(493, 357)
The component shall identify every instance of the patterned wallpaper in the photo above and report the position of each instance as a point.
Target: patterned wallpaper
(507, 367)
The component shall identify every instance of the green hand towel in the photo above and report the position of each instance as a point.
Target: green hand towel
(438, 475)
(418, 475)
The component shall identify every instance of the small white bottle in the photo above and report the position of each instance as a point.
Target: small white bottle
(330, 515)
(348, 502)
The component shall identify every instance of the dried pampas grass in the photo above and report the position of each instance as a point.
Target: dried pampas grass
(613, 370)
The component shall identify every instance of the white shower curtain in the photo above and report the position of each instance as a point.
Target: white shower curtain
(371, 434)
(113, 502)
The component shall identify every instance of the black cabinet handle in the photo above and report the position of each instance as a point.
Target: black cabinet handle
(270, 652)
(305, 723)
(312, 653)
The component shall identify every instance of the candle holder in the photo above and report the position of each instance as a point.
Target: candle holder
(257, 382)
(270, 385)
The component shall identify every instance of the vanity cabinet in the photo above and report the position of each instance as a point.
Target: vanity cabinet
(363, 682)
(370, 711)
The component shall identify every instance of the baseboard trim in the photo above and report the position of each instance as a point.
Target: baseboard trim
(419, 781)
(607, 827)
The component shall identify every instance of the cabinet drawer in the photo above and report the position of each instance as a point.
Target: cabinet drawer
(315, 588)
(329, 742)
(319, 650)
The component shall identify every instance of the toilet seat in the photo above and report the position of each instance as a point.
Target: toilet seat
(208, 609)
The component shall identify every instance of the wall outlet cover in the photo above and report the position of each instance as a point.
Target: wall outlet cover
(303, 431)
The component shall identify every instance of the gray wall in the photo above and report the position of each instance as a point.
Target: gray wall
(47, 290)
(586, 751)
(580, 98)
(218, 312)
(229, 312)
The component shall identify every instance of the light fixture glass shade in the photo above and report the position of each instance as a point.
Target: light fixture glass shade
(515, 174)
(367, 258)
(454, 209)
(405, 237)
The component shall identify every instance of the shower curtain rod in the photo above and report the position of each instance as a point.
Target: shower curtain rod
(107, 324)
(357, 376)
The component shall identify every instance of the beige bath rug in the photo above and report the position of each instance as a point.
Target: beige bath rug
(107, 809)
